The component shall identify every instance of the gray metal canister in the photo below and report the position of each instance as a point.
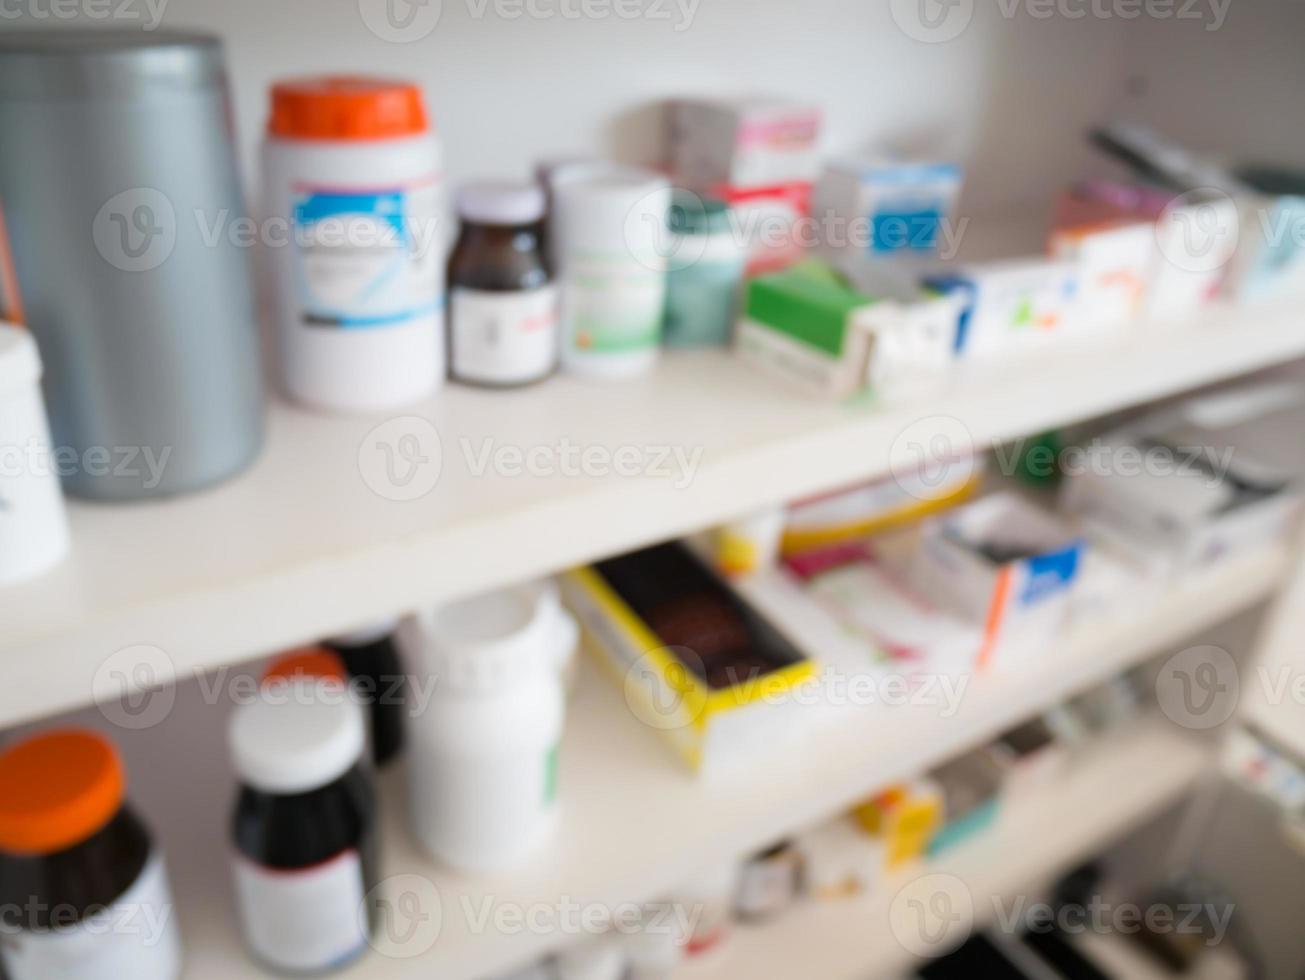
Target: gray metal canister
(122, 211)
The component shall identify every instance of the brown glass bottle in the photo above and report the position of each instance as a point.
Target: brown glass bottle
(502, 324)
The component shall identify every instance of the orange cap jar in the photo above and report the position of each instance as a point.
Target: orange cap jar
(82, 890)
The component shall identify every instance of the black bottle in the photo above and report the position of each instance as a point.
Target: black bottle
(372, 659)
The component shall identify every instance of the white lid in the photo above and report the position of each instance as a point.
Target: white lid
(501, 202)
(496, 638)
(296, 736)
(20, 362)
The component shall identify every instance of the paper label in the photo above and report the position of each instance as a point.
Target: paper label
(306, 919)
(367, 258)
(503, 337)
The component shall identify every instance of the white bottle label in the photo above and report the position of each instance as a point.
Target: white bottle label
(306, 919)
(503, 337)
(134, 937)
(367, 258)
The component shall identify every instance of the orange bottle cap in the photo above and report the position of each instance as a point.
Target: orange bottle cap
(58, 789)
(308, 662)
(343, 107)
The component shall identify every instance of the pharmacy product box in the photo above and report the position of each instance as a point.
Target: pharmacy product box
(872, 602)
(1114, 260)
(1269, 263)
(744, 143)
(882, 504)
(887, 207)
(694, 661)
(767, 222)
(1007, 565)
(1196, 487)
(971, 786)
(904, 818)
(808, 326)
(1009, 305)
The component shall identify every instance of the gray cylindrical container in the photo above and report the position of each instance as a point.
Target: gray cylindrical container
(122, 204)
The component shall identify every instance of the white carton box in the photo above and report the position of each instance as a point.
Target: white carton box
(1114, 270)
(1005, 564)
(886, 207)
(756, 142)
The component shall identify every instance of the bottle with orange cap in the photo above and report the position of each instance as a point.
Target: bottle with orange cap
(353, 185)
(83, 890)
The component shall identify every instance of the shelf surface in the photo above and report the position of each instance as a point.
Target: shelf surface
(313, 541)
(1118, 783)
(634, 824)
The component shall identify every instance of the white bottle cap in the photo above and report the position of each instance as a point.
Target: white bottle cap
(296, 736)
(20, 363)
(501, 203)
(496, 639)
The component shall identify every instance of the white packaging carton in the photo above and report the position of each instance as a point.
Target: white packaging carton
(751, 142)
(887, 207)
(1114, 270)
(1005, 564)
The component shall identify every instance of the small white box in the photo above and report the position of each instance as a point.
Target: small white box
(755, 142)
(1009, 305)
(1005, 564)
(1114, 270)
(886, 207)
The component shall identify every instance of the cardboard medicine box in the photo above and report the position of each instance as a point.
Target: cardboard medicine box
(695, 662)
(891, 207)
(744, 143)
(1007, 565)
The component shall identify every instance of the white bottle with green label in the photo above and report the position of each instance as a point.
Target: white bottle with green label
(489, 707)
(609, 241)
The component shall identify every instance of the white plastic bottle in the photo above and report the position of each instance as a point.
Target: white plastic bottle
(609, 242)
(483, 750)
(33, 525)
(356, 236)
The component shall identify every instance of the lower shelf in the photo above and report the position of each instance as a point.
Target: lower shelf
(1130, 776)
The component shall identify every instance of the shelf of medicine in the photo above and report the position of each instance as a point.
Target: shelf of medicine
(634, 824)
(1130, 776)
(314, 539)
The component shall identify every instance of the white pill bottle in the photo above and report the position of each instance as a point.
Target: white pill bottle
(483, 748)
(356, 234)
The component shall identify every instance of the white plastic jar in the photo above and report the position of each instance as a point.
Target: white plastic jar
(33, 525)
(484, 748)
(355, 232)
(609, 242)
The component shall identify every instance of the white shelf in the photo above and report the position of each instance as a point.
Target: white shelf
(1129, 777)
(301, 546)
(635, 825)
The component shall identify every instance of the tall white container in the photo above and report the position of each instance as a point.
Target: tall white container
(33, 525)
(609, 243)
(483, 751)
(357, 238)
